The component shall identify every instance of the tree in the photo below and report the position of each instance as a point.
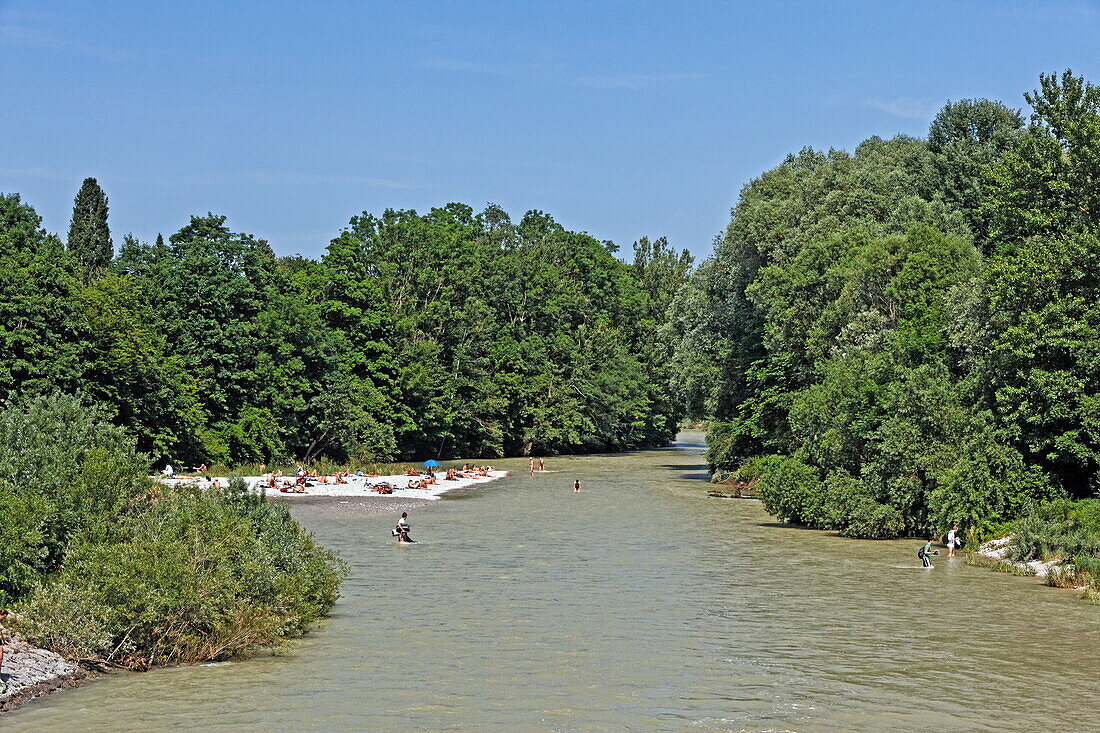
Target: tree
(89, 238)
(967, 138)
(1050, 184)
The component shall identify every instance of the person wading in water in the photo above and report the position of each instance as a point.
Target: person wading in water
(925, 552)
(402, 528)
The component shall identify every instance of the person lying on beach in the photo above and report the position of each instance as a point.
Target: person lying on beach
(199, 469)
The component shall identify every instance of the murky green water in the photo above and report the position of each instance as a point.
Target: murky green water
(639, 604)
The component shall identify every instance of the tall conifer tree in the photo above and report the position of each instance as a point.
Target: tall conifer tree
(89, 237)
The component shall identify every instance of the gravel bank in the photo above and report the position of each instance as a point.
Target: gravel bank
(30, 672)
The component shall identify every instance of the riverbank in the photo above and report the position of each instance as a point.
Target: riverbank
(1056, 572)
(29, 672)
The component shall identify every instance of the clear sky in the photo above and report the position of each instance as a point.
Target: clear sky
(621, 119)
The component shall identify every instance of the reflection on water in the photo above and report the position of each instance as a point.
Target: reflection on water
(638, 604)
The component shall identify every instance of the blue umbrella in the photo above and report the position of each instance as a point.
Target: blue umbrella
(431, 462)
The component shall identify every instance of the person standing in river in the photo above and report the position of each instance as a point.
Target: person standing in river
(576, 486)
(952, 540)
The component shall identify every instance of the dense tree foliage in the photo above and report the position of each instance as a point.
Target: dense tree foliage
(905, 337)
(450, 333)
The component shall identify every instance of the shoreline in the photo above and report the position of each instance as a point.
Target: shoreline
(32, 672)
(993, 555)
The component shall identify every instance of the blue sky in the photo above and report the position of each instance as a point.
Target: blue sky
(621, 119)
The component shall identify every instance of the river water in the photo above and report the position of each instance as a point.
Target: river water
(639, 604)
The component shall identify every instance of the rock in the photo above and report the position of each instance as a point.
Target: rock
(30, 672)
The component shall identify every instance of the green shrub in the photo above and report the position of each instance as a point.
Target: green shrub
(791, 490)
(873, 520)
(200, 576)
(102, 568)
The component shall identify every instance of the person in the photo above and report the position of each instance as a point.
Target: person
(169, 472)
(926, 551)
(952, 540)
(542, 465)
(4, 613)
(217, 485)
(402, 528)
(532, 466)
(576, 485)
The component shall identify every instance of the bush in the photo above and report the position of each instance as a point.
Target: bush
(791, 490)
(200, 576)
(873, 520)
(103, 568)
(63, 468)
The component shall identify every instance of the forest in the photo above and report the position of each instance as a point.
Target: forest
(905, 337)
(450, 333)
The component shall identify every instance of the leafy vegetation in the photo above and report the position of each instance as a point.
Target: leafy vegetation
(1063, 530)
(905, 337)
(107, 567)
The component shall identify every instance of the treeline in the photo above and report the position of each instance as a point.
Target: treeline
(906, 337)
(450, 333)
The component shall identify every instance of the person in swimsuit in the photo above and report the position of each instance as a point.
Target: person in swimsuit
(576, 486)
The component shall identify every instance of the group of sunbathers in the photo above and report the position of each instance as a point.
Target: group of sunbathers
(302, 478)
(468, 471)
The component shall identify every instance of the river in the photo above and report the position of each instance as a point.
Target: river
(639, 604)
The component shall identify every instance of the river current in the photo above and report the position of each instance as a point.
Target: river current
(639, 604)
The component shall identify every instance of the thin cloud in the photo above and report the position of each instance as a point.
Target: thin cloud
(472, 67)
(913, 109)
(17, 35)
(555, 73)
(630, 81)
(258, 178)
